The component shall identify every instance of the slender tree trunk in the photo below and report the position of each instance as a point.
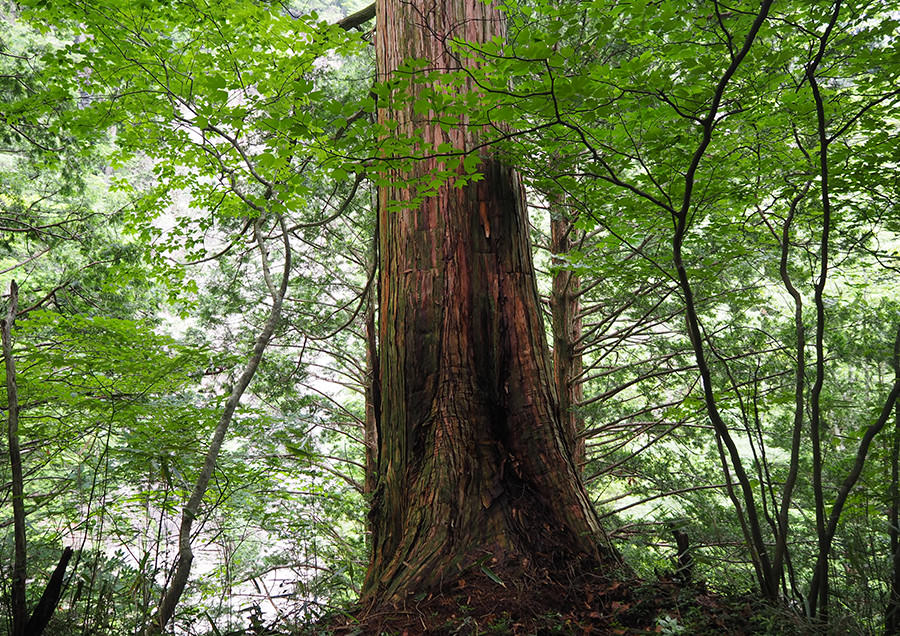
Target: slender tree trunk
(43, 611)
(818, 589)
(372, 395)
(19, 610)
(566, 330)
(752, 526)
(172, 595)
(473, 460)
(892, 612)
(781, 554)
(818, 594)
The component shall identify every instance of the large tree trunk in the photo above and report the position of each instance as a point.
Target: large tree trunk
(473, 461)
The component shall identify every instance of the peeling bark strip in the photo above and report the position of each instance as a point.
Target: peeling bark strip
(473, 460)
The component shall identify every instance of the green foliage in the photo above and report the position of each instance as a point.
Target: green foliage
(148, 150)
(620, 131)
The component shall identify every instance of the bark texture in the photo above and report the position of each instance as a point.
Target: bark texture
(473, 460)
(566, 329)
(372, 399)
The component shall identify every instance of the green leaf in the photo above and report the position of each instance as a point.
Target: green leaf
(492, 576)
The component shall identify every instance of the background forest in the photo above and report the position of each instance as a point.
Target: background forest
(187, 264)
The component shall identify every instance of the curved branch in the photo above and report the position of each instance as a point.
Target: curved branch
(189, 514)
(723, 435)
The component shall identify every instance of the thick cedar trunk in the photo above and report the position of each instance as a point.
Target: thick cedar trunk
(473, 461)
(566, 329)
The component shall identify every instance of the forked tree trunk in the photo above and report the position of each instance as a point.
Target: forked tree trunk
(473, 461)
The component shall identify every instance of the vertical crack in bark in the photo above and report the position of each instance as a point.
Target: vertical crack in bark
(474, 462)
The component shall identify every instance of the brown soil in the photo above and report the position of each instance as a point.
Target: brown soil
(485, 603)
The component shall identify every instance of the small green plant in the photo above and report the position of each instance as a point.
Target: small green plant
(669, 625)
(503, 625)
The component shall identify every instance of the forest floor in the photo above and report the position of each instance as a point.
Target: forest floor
(589, 604)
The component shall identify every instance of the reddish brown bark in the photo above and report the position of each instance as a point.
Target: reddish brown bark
(566, 330)
(372, 399)
(473, 461)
